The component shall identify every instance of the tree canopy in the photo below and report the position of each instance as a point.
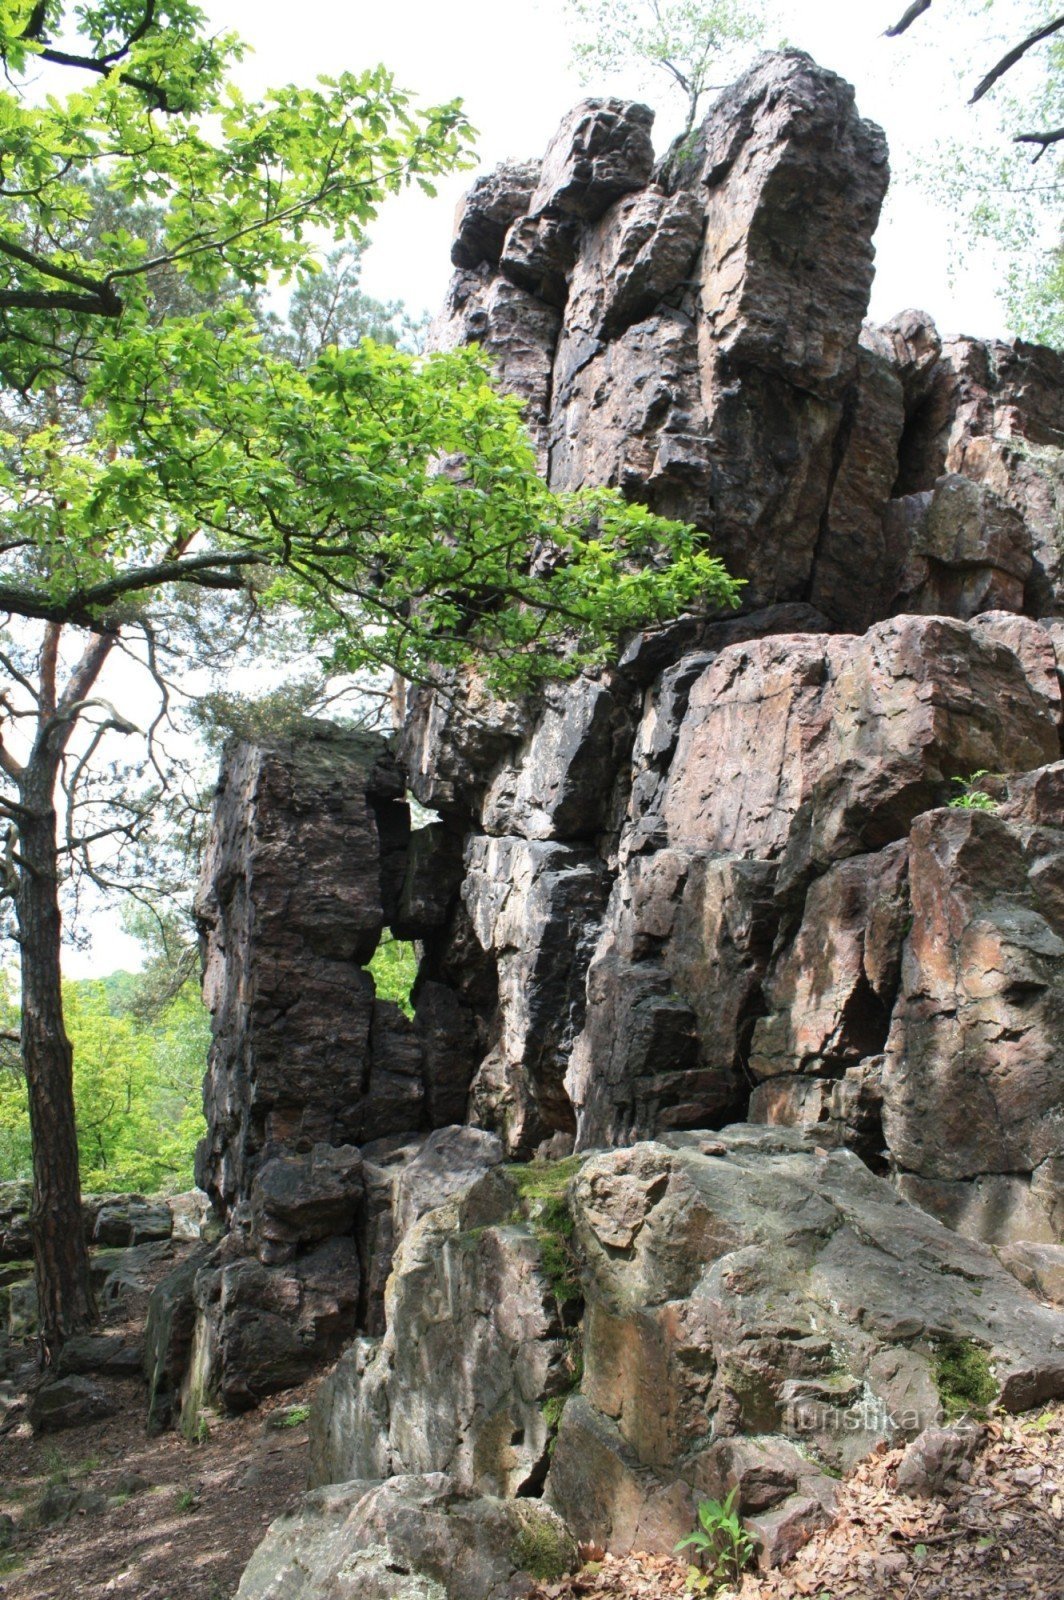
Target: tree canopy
(158, 441)
(691, 43)
(1005, 178)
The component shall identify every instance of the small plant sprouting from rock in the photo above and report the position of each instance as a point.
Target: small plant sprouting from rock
(969, 796)
(722, 1543)
(188, 1500)
(964, 1378)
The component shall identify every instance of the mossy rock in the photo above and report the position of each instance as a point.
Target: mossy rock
(964, 1378)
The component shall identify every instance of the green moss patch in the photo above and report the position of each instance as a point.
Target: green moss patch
(543, 1549)
(964, 1378)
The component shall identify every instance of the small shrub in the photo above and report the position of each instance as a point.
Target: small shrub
(188, 1500)
(720, 1541)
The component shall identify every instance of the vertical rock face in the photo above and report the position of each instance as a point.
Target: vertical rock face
(301, 874)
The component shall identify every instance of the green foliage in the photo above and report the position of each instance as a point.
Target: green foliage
(543, 1188)
(137, 1088)
(970, 796)
(720, 1541)
(393, 969)
(289, 1417)
(964, 1378)
(308, 473)
(690, 43)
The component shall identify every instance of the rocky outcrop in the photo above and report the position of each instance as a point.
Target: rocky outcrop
(794, 873)
(637, 1330)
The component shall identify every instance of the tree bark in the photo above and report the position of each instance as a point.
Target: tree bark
(61, 1257)
(60, 1253)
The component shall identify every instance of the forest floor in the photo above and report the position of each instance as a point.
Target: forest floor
(998, 1536)
(103, 1510)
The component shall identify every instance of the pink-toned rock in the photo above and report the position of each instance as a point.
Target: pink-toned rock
(857, 735)
(831, 993)
(972, 1082)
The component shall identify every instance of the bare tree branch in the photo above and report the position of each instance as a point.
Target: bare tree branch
(211, 571)
(1010, 58)
(917, 9)
(1045, 140)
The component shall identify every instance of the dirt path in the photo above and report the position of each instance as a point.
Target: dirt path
(158, 1519)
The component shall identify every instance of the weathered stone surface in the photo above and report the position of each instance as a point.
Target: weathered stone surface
(298, 1199)
(1039, 1267)
(292, 901)
(994, 412)
(433, 878)
(641, 252)
(475, 1347)
(484, 214)
(793, 181)
(168, 1336)
(601, 151)
(856, 575)
(537, 906)
(414, 1538)
(963, 549)
(910, 341)
(933, 1460)
(552, 787)
(516, 330)
(453, 740)
(672, 994)
(109, 1353)
(994, 1206)
(972, 1081)
(850, 737)
(765, 1287)
(450, 1161)
(832, 990)
(68, 1403)
(132, 1220)
(262, 1329)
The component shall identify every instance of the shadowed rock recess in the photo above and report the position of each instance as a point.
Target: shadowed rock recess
(727, 1138)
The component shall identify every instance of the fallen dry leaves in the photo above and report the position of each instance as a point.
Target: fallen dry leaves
(997, 1536)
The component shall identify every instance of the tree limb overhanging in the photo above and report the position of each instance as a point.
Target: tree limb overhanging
(1044, 140)
(917, 9)
(1011, 57)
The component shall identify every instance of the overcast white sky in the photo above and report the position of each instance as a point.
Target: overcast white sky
(509, 62)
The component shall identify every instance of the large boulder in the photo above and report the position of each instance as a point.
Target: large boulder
(751, 1283)
(481, 1314)
(413, 1538)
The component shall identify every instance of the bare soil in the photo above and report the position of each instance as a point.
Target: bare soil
(157, 1518)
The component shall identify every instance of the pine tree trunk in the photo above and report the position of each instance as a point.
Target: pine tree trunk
(61, 1257)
